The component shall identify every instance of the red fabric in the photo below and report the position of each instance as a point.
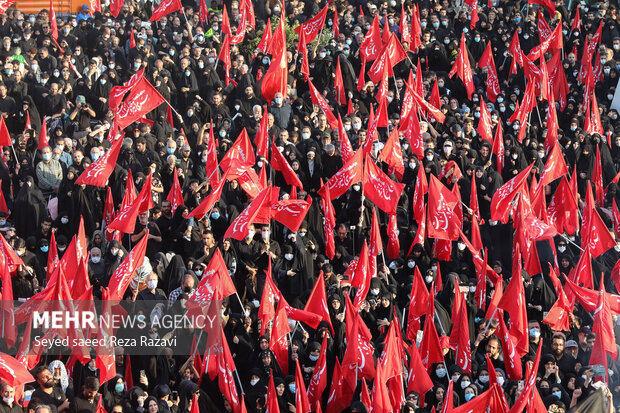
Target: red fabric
(125, 221)
(595, 235)
(279, 339)
(392, 154)
(275, 79)
(302, 403)
(485, 127)
(5, 137)
(459, 336)
(122, 276)
(330, 221)
(380, 189)
(462, 68)
(513, 302)
(266, 39)
(597, 176)
(319, 100)
(165, 7)
(215, 284)
(558, 316)
(142, 99)
(443, 222)
(241, 150)
(313, 26)
(279, 163)
(98, 172)
(207, 203)
(380, 396)
(502, 199)
(346, 150)
(338, 398)
(318, 380)
(547, 4)
(529, 386)
(272, 398)
(361, 277)
(486, 60)
(372, 44)
(393, 248)
(350, 173)
(418, 379)
(430, 348)
(239, 227)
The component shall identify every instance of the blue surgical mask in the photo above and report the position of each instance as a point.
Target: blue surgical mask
(278, 101)
(47, 156)
(215, 215)
(45, 248)
(518, 19)
(291, 387)
(119, 387)
(170, 150)
(469, 396)
(557, 394)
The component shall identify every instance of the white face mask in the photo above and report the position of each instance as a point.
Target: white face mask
(251, 234)
(64, 220)
(461, 246)
(254, 381)
(8, 400)
(428, 279)
(484, 379)
(441, 373)
(472, 289)
(151, 284)
(429, 157)
(95, 260)
(265, 235)
(465, 384)
(411, 264)
(288, 257)
(562, 248)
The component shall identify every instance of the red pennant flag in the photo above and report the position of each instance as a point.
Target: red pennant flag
(372, 44)
(339, 398)
(380, 189)
(350, 173)
(175, 196)
(140, 101)
(513, 302)
(416, 29)
(462, 68)
(275, 79)
(319, 100)
(393, 249)
(279, 339)
(558, 316)
(380, 396)
(502, 199)
(417, 305)
(165, 7)
(418, 380)
(346, 150)
(203, 13)
(330, 221)
(595, 236)
(5, 5)
(238, 229)
(3, 206)
(341, 96)
(279, 163)
(5, 137)
(485, 127)
(555, 167)
(98, 172)
(132, 40)
(124, 272)
(576, 21)
(547, 4)
(241, 150)
(361, 277)
(302, 403)
(459, 336)
(318, 381)
(430, 347)
(43, 141)
(313, 26)
(511, 358)
(376, 245)
(266, 39)
(444, 223)
(272, 398)
(529, 387)
(118, 92)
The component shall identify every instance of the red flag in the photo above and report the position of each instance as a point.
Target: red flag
(558, 316)
(175, 196)
(140, 101)
(615, 216)
(513, 302)
(555, 167)
(502, 199)
(418, 380)
(118, 92)
(98, 172)
(272, 398)
(597, 177)
(530, 385)
(391, 54)
(376, 245)
(266, 39)
(319, 100)
(462, 68)
(318, 381)
(393, 249)
(5, 5)
(603, 328)
(417, 305)
(317, 302)
(5, 137)
(350, 173)
(405, 33)
(416, 29)
(203, 13)
(238, 229)
(124, 272)
(302, 403)
(392, 154)
(361, 277)
(359, 355)
(242, 150)
(459, 336)
(165, 7)
(279, 339)
(279, 163)
(576, 21)
(43, 141)
(595, 235)
(420, 189)
(336, 27)
(444, 223)
(215, 284)
(261, 140)
(547, 4)
(341, 96)
(313, 26)
(209, 200)
(485, 127)
(275, 79)
(53, 22)
(380, 397)
(372, 44)
(380, 189)
(346, 150)
(338, 398)
(430, 348)
(330, 221)
(125, 221)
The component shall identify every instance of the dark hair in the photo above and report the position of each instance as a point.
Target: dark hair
(91, 383)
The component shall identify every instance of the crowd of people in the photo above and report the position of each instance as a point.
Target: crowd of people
(63, 85)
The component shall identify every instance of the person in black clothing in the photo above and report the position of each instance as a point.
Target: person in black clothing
(86, 402)
(8, 404)
(47, 393)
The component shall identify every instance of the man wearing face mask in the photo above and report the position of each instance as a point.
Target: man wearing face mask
(151, 292)
(49, 172)
(281, 111)
(8, 403)
(270, 251)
